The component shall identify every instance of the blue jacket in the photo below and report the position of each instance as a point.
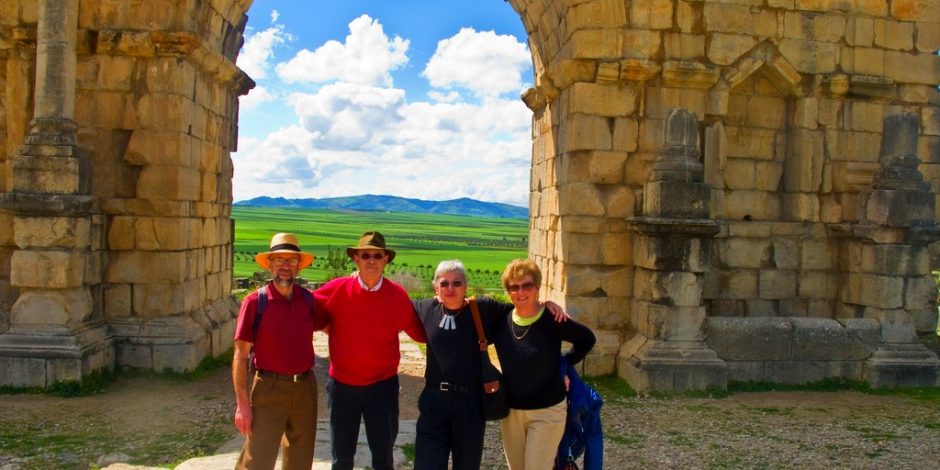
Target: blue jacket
(583, 432)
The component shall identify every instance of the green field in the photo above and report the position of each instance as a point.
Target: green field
(485, 245)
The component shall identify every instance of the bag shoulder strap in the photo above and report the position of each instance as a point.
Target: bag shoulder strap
(481, 336)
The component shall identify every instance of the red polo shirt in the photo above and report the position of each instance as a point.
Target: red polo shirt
(284, 342)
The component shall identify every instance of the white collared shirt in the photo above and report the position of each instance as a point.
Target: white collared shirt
(366, 288)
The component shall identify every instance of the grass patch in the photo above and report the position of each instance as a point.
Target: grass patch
(409, 451)
(610, 386)
(679, 439)
(834, 384)
(623, 440)
(90, 384)
(875, 434)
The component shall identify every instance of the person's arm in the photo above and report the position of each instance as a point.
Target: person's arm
(411, 324)
(243, 414)
(321, 318)
(581, 338)
(556, 311)
(416, 305)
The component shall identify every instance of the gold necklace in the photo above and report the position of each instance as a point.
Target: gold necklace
(512, 329)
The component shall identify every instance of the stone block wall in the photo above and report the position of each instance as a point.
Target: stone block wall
(156, 93)
(791, 97)
(761, 269)
(793, 350)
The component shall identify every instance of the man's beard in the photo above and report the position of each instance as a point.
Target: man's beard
(282, 281)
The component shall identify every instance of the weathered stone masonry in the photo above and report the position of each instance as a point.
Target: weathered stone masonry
(787, 264)
(723, 189)
(119, 117)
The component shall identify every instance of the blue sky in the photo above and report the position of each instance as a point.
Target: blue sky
(413, 98)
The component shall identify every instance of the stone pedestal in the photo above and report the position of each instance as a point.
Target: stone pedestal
(670, 366)
(886, 272)
(56, 329)
(671, 253)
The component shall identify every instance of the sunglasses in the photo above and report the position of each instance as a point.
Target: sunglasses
(280, 261)
(367, 256)
(446, 284)
(520, 287)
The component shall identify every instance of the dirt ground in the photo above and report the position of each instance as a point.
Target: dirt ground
(161, 421)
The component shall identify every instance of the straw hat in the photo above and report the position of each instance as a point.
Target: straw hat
(284, 243)
(371, 241)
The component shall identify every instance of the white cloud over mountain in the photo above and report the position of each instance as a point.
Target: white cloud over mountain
(355, 133)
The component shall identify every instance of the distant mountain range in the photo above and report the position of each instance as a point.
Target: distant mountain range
(370, 202)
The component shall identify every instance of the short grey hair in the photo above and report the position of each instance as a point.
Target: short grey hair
(450, 266)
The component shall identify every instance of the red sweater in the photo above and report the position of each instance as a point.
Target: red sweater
(364, 328)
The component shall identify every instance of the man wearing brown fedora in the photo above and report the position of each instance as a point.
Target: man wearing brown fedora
(365, 312)
(275, 332)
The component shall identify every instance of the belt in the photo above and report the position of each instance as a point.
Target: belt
(290, 377)
(446, 386)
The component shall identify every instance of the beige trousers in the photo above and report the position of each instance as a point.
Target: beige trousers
(531, 437)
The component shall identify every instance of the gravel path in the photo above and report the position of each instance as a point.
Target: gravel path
(154, 421)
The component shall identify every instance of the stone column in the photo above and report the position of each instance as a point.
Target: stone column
(48, 162)
(56, 332)
(885, 262)
(671, 252)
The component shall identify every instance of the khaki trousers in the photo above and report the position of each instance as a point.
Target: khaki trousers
(281, 409)
(531, 437)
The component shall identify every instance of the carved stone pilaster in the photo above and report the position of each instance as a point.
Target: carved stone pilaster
(671, 252)
(886, 284)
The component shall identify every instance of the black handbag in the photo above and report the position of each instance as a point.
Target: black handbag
(495, 404)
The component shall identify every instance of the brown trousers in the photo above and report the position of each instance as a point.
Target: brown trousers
(281, 409)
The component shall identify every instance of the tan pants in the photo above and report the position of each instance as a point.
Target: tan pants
(531, 437)
(281, 409)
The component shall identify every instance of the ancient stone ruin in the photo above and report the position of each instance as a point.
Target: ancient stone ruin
(723, 189)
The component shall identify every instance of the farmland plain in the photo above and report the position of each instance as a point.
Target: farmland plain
(485, 245)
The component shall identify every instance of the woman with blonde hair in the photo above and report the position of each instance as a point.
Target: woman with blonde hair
(528, 344)
(451, 425)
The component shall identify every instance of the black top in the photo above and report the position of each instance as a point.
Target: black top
(453, 354)
(529, 357)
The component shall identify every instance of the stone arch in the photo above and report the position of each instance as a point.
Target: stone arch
(115, 169)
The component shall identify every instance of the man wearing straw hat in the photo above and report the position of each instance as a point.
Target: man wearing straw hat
(365, 312)
(275, 331)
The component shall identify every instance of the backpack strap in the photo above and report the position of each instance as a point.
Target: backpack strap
(308, 296)
(262, 303)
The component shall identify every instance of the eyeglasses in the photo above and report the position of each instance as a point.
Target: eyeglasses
(367, 256)
(281, 261)
(446, 284)
(520, 287)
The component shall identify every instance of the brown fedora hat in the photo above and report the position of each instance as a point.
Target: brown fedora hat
(284, 243)
(371, 241)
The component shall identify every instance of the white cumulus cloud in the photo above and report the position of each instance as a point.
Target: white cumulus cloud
(348, 116)
(258, 50)
(483, 62)
(255, 98)
(358, 140)
(366, 57)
